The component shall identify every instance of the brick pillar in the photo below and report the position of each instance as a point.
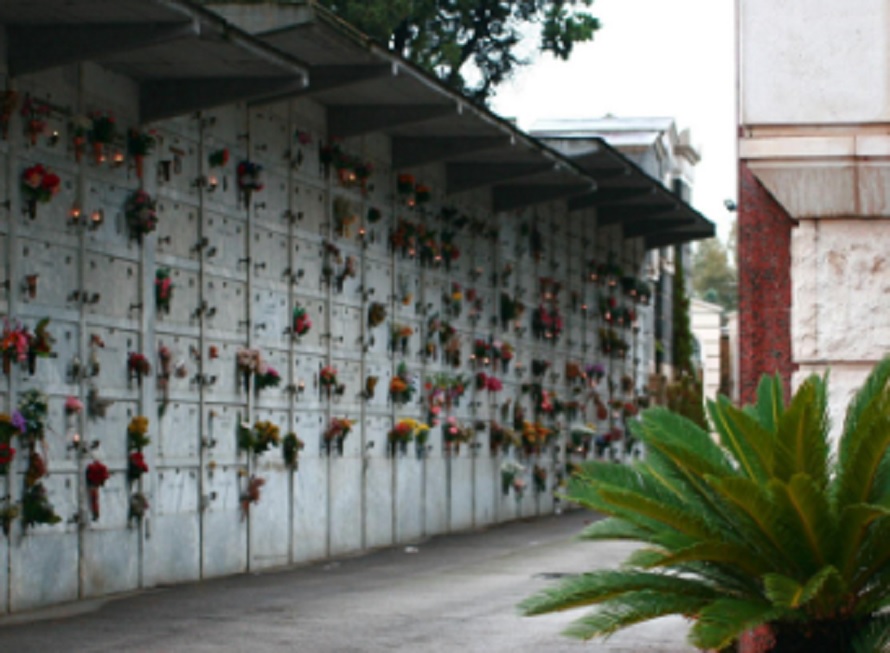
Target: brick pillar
(764, 255)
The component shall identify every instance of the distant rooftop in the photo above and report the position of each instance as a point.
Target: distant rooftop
(619, 131)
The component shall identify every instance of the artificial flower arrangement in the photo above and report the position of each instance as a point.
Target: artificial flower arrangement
(139, 145)
(142, 215)
(18, 344)
(39, 185)
(8, 101)
(581, 437)
(34, 114)
(97, 474)
(511, 478)
(402, 387)
(422, 194)
(30, 421)
(167, 370)
(259, 439)
(547, 323)
(251, 494)
(504, 352)
(138, 507)
(348, 271)
(250, 180)
(535, 436)
(291, 446)
(250, 362)
(450, 251)
(163, 290)
(247, 361)
(613, 344)
(331, 258)
(102, 133)
(376, 314)
(489, 383)
(454, 434)
(344, 216)
(370, 386)
(482, 351)
(405, 184)
(329, 381)
(539, 477)
(336, 433)
(218, 158)
(401, 333)
(451, 351)
(302, 323)
(500, 438)
(400, 435)
(453, 299)
(138, 366)
(8, 430)
(266, 376)
(540, 366)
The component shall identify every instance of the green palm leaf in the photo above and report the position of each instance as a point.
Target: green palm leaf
(802, 445)
(875, 386)
(770, 402)
(606, 584)
(630, 609)
(749, 443)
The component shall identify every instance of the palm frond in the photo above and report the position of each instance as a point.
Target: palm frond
(855, 521)
(630, 609)
(787, 592)
(614, 528)
(874, 637)
(607, 584)
(859, 468)
(770, 402)
(719, 552)
(749, 443)
(804, 510)
(755, 505)
(802, 435)
(676, 518)
(873, 387)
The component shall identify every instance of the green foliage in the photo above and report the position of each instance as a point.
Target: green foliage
(713, 276)
(761, 524)
(444, 36)
(682, 329)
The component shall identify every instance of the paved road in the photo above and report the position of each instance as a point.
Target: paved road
(453, 593)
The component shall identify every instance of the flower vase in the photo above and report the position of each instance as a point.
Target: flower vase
(139, 161)
(32, 362)
(7, 364)
(246, 194)
(340, 446)
(245, 381)
(98, 153)
(32, 209)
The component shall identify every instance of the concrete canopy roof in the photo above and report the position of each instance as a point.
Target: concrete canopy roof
(186, 58)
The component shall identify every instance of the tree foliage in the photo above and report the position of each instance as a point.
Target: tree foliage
(713, 275)
(765, 526)
(447, 36)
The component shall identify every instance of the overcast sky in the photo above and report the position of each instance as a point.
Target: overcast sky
(651, 58)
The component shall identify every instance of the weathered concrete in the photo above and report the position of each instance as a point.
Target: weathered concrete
(452, 593)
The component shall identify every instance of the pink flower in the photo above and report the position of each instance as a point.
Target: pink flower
(73, 405)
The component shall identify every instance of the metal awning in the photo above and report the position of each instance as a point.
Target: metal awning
(183, 56)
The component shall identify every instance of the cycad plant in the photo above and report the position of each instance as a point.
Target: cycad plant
(765, 524)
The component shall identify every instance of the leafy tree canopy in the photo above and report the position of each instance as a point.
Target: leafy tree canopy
(713, 275)
(447, 37)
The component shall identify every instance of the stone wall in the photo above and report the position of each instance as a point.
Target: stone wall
(240, 264)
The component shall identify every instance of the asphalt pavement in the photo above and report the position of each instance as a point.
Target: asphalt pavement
(454, 593)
